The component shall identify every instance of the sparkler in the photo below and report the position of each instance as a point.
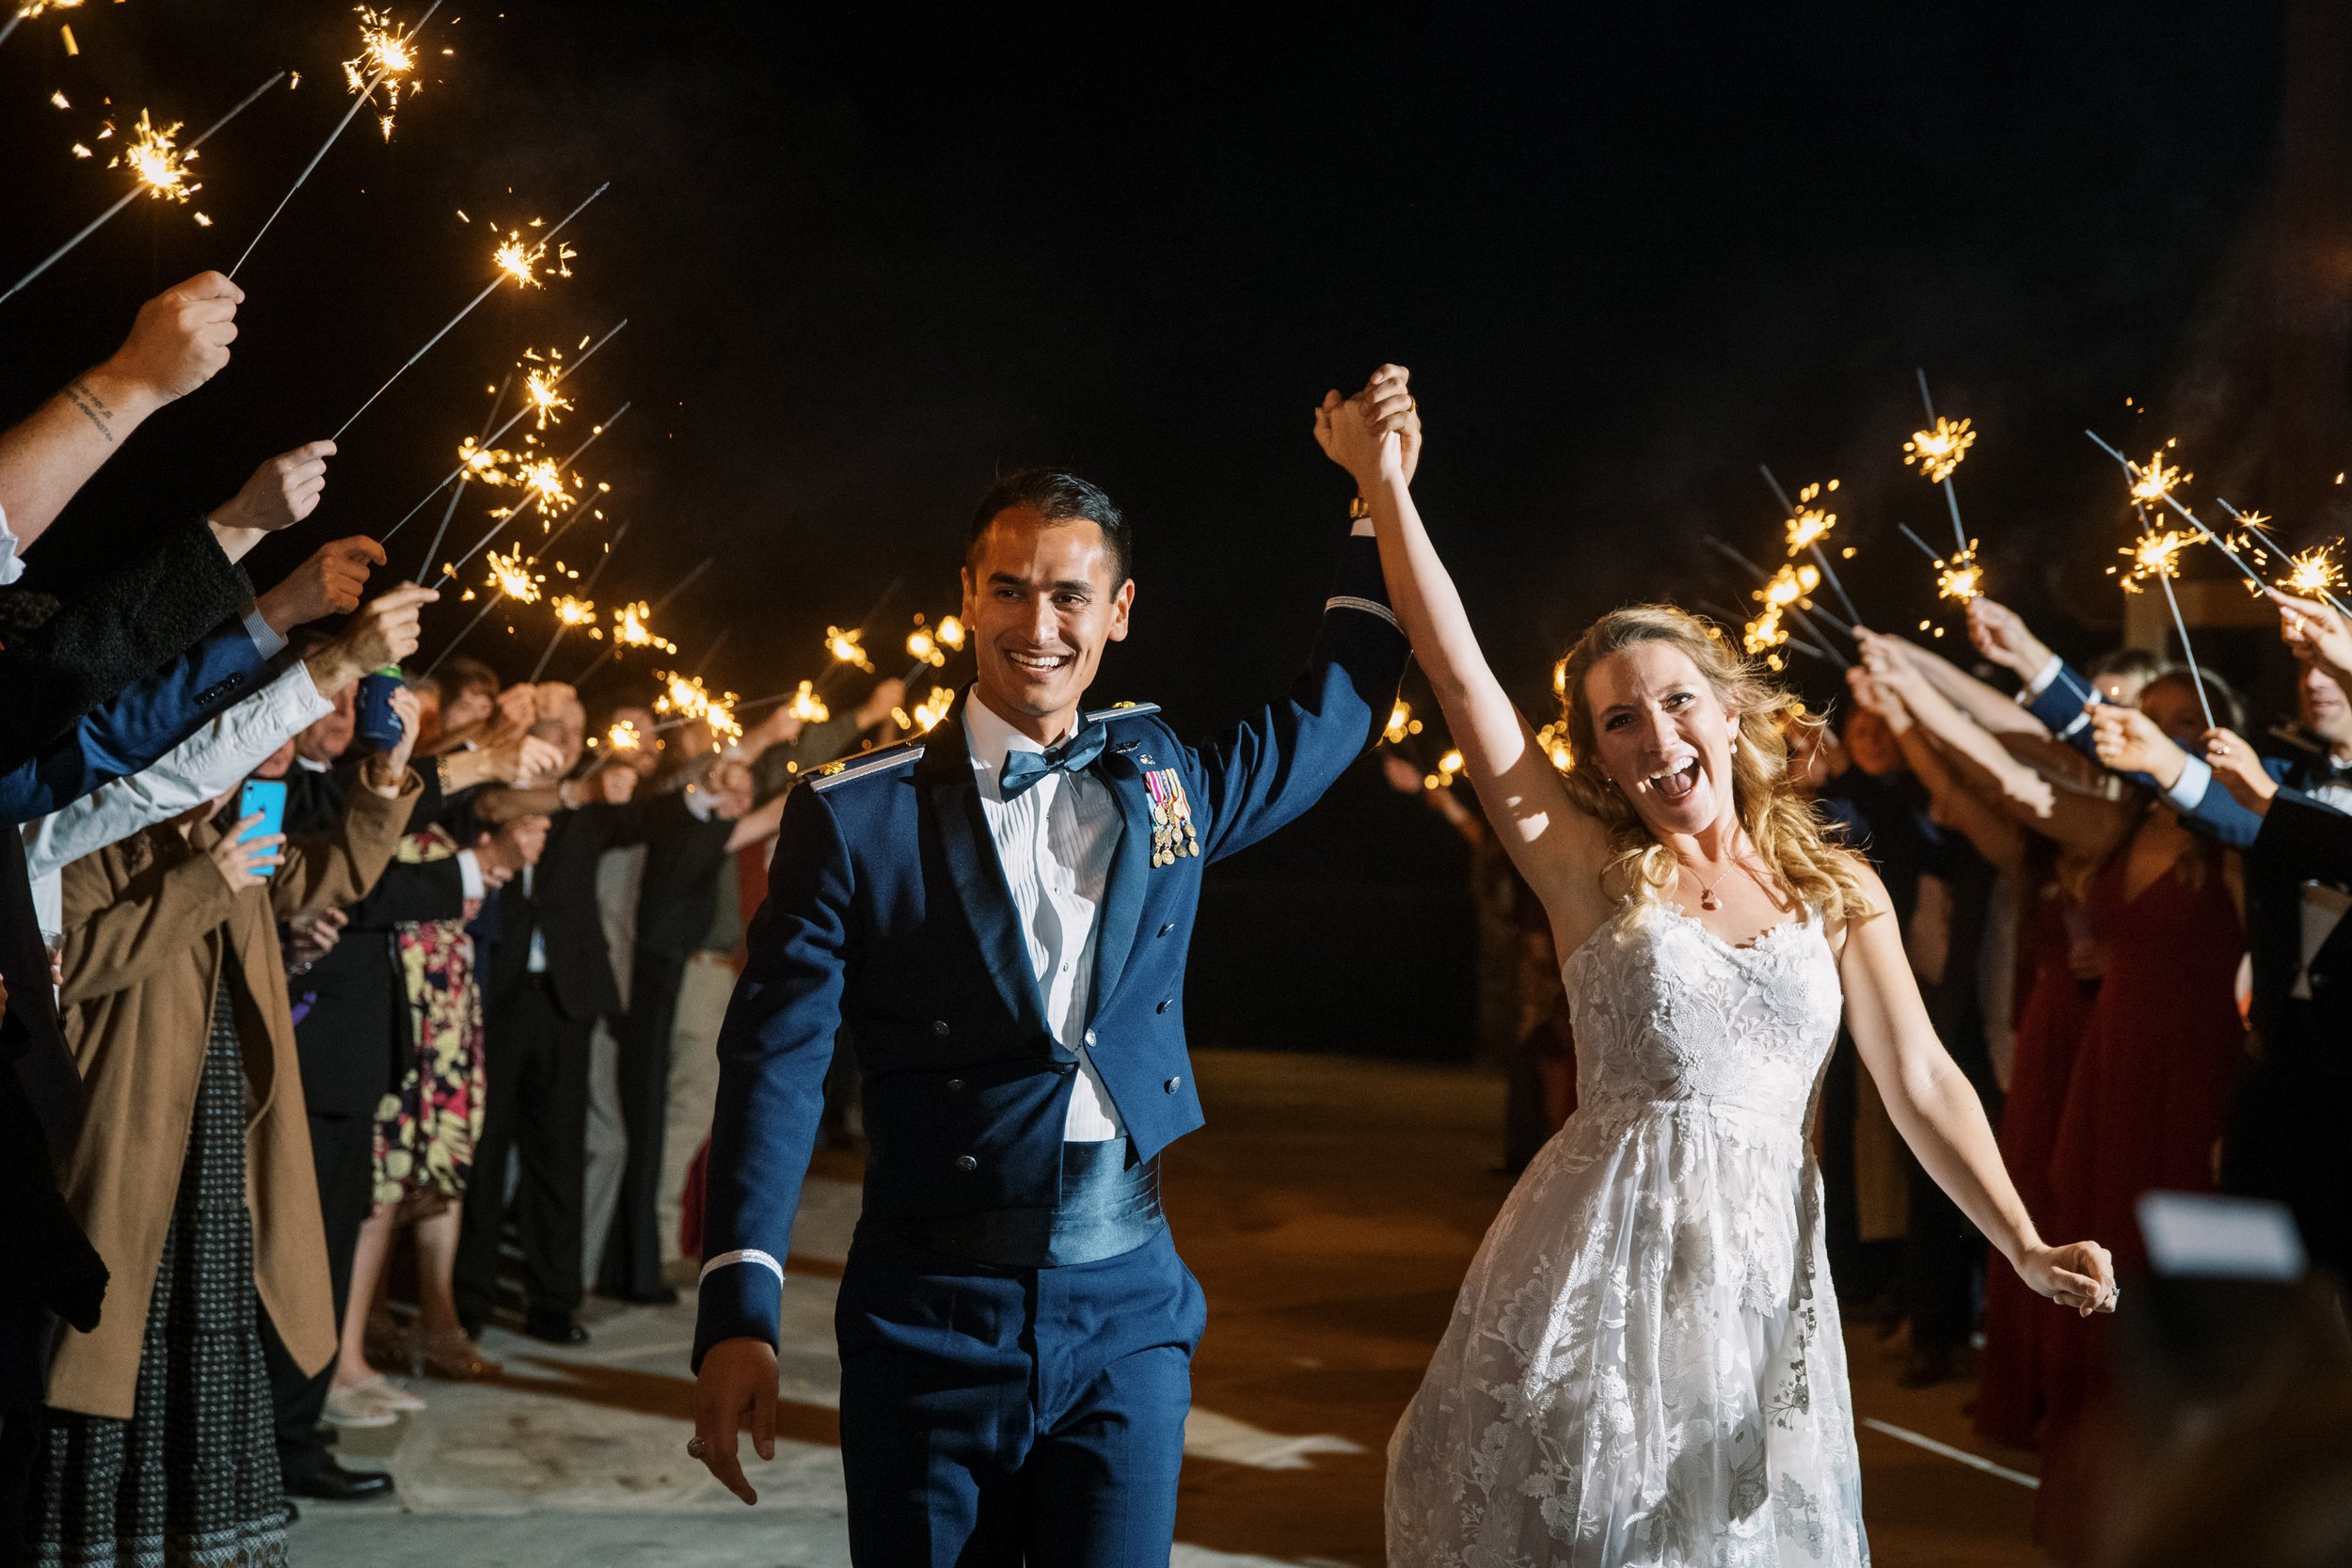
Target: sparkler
(456, 476)
(2158, 555)
(623, 737)
(1808, 525)
(1938, 451)
(142, 186)
(808, 707)
(2312, 574)
(499, 517)
(587, 607)
(631, 627)
(2158, 485)
(27, 9)
(504, 274)
(1788, 589)
(691, 700)
(928, 712)
(392, 52)
(844, 648)
(475, 460)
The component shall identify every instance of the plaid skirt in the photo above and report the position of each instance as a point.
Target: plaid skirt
(191, 1479)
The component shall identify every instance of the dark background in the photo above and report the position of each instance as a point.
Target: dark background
(872, 255)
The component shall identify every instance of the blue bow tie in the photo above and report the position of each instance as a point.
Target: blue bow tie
(1023, 769)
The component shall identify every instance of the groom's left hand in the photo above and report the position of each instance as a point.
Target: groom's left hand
(1393, 408)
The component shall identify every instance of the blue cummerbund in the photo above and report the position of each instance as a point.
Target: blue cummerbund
(1108, 1207)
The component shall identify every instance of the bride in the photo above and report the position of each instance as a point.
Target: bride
(1644, 1366)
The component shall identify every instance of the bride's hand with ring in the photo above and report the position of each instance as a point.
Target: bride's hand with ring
(2080, 1275)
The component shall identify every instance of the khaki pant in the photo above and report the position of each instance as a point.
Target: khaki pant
(701, 1006)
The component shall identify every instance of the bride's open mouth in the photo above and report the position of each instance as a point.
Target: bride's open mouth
(1674, 781)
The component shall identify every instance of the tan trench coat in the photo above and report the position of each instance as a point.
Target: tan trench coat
(144, 920)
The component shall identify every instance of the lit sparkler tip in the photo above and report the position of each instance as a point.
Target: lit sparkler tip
(1400, 723)
(571, 611)
(623, 737)
(1938, 451)
(2317, 572)
(154, 157)
(808, 707)
(928, 712)
(512, 575)
(1959, 576)
(2156, 555)
(845, 647)
(2155, 479)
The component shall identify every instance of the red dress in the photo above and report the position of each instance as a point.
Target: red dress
(2151, 1086)
(2049, 1032)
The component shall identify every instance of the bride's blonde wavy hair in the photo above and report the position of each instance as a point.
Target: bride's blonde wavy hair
(1780, 822)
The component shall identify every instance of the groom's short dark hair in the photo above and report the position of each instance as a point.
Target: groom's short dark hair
(1058, 498)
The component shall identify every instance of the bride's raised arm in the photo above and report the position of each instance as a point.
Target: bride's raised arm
(1558, 848)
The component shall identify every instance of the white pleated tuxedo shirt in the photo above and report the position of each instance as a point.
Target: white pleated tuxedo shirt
(1056, 842)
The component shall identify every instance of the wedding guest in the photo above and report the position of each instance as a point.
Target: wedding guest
(159, 1439)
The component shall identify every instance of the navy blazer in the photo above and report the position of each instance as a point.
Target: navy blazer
(2216, 813)
(888, 911)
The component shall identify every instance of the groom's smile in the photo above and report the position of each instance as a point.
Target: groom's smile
(1041, 600)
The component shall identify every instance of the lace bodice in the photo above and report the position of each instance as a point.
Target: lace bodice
(1666, 1011)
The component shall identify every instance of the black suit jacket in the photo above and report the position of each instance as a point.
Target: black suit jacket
(2300, 841)
(352, 1037)
(560, 905)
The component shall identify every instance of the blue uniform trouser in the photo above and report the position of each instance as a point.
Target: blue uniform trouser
(1008, 1415)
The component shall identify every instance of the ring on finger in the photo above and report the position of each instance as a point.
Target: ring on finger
(695, 1448)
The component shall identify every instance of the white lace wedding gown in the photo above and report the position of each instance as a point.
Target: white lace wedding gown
(1644, 1366)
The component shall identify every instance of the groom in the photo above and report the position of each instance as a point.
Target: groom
(1000, 913)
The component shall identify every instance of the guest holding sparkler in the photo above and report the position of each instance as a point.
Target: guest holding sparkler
(546, 980)
(159, 1438)
(2286, 1138)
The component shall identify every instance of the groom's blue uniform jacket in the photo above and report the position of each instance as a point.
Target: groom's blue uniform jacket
(887, 910)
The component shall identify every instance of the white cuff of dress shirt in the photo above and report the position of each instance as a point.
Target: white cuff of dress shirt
(2041, 679)
(264, 634)
(701, 802)
(12, 557)
(470, 873)
(2188, 790)
(1362, 530)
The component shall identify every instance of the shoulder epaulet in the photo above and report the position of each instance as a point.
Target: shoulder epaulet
(1121, 710)
(860, 766)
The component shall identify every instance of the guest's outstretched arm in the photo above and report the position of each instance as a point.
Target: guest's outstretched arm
(1558, 848)
(180, 338)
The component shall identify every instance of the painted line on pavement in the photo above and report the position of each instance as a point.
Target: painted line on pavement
(1975, 1462)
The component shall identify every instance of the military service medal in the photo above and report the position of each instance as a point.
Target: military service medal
(1173, 832)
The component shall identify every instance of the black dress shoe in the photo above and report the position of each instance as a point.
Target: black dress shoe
(556, 1328)
(334, 1483)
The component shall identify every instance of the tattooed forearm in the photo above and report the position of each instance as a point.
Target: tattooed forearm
(94, 408)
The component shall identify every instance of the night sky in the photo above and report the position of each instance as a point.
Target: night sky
(872, 255)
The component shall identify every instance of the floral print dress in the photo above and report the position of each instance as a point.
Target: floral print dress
(425, 1130)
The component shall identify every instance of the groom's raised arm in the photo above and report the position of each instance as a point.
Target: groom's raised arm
(773, 1051)
(1278, 762)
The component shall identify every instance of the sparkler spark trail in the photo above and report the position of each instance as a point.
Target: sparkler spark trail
(623, 737)
(2317, 572)
(2251, 530)
(686, 696)
(405, 47)
(456, 476)
(1938, 451)
(1794, 604)
(389, 52)
(928, 712)
(487, 290)
(138, 189)
(632, 628)
(610, 420)
(1807, 525)
(155, 157)
(572, 611)
(541, 397)
(27, 9)
(512, 575)
(564, 624)
(844, 648)
(808, 707)
(2158, 486)
(1959, 577)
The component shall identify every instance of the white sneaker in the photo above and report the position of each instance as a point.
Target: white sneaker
(352, 1407)
(386, 1394)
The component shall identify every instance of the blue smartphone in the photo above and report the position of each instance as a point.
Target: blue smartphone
(268, 796)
